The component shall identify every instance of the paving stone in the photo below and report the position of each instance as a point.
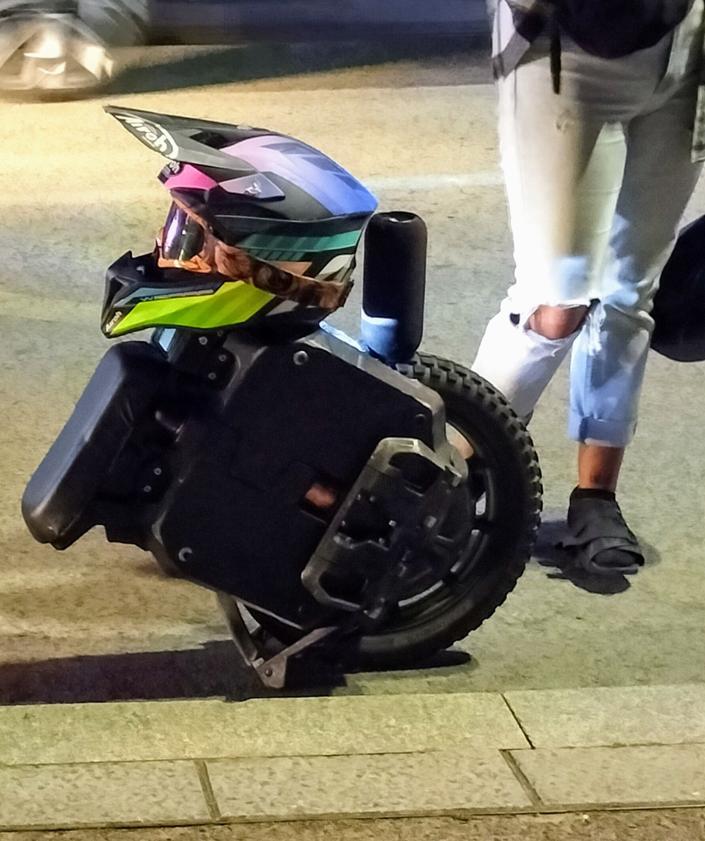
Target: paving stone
(618, 776)
(612, 716)
(338, 786)
(114, 793)
(272, 727)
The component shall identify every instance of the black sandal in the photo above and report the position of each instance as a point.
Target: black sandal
(599, 539)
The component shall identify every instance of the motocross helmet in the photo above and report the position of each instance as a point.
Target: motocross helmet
(679, 305)
(260, 225)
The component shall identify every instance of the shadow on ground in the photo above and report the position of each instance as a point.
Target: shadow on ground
(252, 62)
(214, 670)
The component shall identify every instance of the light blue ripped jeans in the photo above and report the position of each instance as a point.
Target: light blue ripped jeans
(597, 180)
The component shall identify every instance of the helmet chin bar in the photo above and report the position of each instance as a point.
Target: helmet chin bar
(149, 290)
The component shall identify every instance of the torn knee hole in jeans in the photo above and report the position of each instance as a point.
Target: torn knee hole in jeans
(523, 319)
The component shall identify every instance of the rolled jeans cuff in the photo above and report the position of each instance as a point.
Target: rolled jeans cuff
(611, 433)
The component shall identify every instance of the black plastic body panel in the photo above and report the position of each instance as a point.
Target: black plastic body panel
(235, 517)
(61, 501)
(202, 451)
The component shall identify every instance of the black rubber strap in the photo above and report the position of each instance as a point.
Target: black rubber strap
(556, 49)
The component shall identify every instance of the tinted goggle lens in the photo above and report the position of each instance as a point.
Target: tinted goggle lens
(183, 237)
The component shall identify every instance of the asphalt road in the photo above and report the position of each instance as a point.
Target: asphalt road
(417, 124)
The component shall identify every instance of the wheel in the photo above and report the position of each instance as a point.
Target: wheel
(505, 492)
(43, 53)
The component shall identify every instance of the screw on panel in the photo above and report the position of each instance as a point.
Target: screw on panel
(147, 489)
(212, 376)
(203, 340)
(157, 471)
(222, 357)
(300, 357)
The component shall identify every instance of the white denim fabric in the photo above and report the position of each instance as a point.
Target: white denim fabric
(516, 24)
(597, 180)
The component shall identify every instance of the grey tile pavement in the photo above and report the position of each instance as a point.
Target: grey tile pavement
(632, 715)
(124, 764)
(618, 776)
(98, 794)
(273, 727)
(364, 786)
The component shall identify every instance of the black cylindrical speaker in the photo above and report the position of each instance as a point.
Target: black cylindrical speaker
(394, 290)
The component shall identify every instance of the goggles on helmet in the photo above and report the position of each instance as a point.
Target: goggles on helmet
(187, 242)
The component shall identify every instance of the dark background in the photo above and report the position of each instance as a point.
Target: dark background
(189, 21)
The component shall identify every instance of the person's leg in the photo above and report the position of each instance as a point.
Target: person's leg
(609, 356)
(658, 181)
(563, 166)
(599, 466)
(563, 158)
(573, 236)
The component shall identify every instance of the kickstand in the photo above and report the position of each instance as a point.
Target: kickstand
(271, 670)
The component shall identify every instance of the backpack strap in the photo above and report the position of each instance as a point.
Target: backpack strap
(556, 50)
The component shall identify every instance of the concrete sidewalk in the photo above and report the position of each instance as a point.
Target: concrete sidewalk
(210, 762)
